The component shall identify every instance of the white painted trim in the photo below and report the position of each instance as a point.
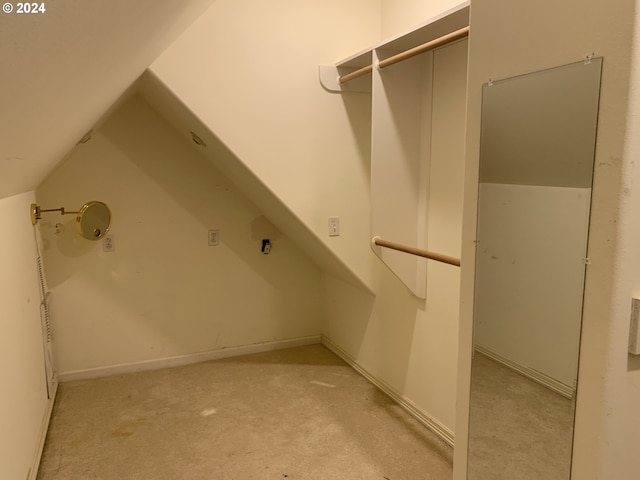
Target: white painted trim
(423, 417)
(44, 428)
(534, 375)
(187, 359)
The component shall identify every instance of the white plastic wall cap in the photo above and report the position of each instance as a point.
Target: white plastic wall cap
(634, 327)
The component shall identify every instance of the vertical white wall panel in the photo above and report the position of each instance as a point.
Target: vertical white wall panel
(400, 153)
(23, 403)
(408, 342)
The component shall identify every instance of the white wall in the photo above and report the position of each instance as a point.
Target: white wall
(164, 292)
(23, 403)
(530, 275)
(511, 38)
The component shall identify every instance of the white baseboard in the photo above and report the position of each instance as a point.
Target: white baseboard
(187, 359)
(44, 428)
(431, 423)
(534, 375)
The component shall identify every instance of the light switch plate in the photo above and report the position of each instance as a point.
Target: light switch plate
(334, 226)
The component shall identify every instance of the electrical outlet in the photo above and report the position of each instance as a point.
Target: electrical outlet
(334, 226)
(213, 238)
(108, 243)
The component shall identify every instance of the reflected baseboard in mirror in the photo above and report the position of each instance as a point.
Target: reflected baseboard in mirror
(519, 429)
(537, 146)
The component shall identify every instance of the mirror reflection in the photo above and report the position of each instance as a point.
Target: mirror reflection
(536, 168)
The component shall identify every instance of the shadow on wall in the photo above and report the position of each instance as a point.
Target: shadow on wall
(199, 188)
(67, 238)
(633, 363)
(379, 332)
(358, 108)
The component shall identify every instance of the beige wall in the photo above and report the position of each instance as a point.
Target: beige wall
(164, 292)
(410, 343)
(23, 404)
(262, 97)
(65, 67)
(621, 422)
(310, 148)
(399, 16)
(511, 38)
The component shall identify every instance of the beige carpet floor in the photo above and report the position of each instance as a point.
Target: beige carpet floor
(299, 413)
(518, 429)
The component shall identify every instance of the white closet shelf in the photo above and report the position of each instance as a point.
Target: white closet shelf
(436, 27)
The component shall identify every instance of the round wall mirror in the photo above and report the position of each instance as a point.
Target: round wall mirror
(93, 220)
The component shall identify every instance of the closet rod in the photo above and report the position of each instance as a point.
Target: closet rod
(425, 47)
(439, 257)
(412, 52)
(355, 74)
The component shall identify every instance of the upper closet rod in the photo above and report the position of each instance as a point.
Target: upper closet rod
(417, 251)
(412, 52)
(355, 74)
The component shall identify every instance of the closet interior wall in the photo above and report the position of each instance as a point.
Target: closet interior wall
(405, 336)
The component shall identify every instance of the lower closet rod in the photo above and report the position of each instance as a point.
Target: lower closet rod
(439, 257)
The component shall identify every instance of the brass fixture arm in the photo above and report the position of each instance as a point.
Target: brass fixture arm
(36, 212)
(61, 210)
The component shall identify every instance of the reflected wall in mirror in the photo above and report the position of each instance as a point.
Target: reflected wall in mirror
(536, 167)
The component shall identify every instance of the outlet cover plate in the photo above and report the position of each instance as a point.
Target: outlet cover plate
(214, 238)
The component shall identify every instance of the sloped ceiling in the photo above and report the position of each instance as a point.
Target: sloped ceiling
(61, 70)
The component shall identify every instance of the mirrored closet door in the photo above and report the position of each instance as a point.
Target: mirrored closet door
(536, 169)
